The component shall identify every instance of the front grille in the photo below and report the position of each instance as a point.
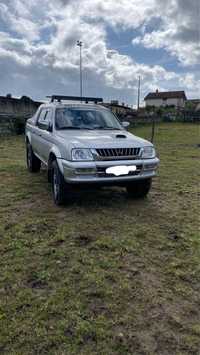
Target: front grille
(118, 153)
(101, 172)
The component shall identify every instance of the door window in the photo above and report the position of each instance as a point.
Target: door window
(45, 117)
(48, 116)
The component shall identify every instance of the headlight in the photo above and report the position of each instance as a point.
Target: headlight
(148, 153)
(81, 154)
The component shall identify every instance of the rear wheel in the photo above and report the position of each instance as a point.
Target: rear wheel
(59, 186)
(33, 163)
(139, 189)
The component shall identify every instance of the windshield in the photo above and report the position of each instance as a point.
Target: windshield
(80, 118)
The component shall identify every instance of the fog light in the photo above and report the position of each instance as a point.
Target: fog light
(85, 171)
(150, 166)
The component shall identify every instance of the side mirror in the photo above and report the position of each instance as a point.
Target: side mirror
(125, 124)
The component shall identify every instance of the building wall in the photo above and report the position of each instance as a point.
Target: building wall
(14, 113)
(118, 109)
(17, 107)
(160, 102)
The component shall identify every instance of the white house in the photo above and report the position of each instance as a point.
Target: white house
(169, 98)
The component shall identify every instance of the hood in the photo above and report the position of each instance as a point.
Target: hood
(102, 139)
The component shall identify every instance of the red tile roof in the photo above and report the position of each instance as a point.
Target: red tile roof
(166, 95)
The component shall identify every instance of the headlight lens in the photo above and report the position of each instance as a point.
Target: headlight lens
(148, 153)
(82, 155)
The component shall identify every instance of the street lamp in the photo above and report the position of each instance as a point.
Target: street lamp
(139, 84)
(80, 44)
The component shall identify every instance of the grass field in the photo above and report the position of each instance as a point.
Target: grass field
(107, 274)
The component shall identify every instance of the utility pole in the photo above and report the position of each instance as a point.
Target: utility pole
(80, 44)
(138, 104)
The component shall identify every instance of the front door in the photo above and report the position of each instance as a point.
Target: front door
(41, 140)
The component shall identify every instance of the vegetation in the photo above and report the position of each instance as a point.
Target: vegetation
(12, 124)
(172, 114)
(107, 274)
(19, 124)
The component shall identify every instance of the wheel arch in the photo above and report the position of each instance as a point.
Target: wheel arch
(54, 155)
(28, 137)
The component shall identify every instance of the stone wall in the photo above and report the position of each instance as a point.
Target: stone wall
(25, 105)
(14, 113)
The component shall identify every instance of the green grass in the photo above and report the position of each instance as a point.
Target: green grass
(106, 274)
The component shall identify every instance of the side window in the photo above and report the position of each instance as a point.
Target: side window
(48, 117)
(45, 117)
(42, 116)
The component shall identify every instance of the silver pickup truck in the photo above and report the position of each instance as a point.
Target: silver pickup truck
(82, 142)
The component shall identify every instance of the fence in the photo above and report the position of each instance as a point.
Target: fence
(15, 124)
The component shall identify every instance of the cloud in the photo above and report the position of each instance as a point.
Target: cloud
(17, 49)
(38, 41)
(179, 32)
(26, 18)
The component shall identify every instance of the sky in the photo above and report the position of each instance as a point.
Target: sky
(158, 40)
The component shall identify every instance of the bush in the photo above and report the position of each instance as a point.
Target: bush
(19, 125)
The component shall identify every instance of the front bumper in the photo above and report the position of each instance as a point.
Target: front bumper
(94, 171)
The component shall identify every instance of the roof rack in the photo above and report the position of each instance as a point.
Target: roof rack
(75, 98)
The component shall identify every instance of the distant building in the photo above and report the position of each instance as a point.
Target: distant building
(168, 98)
(194, 104)
(120, 110)
(17, 106)
(114, 102)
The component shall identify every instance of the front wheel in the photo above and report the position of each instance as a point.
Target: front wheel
(58, 185)
(139, 188)
(33, 163)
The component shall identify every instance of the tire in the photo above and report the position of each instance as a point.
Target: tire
(139, 189)
(33, 163)
(59, 186)
(49, 175)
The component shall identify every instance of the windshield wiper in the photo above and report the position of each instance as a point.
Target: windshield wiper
(88, 128)
(68, 127)
(109, 128)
